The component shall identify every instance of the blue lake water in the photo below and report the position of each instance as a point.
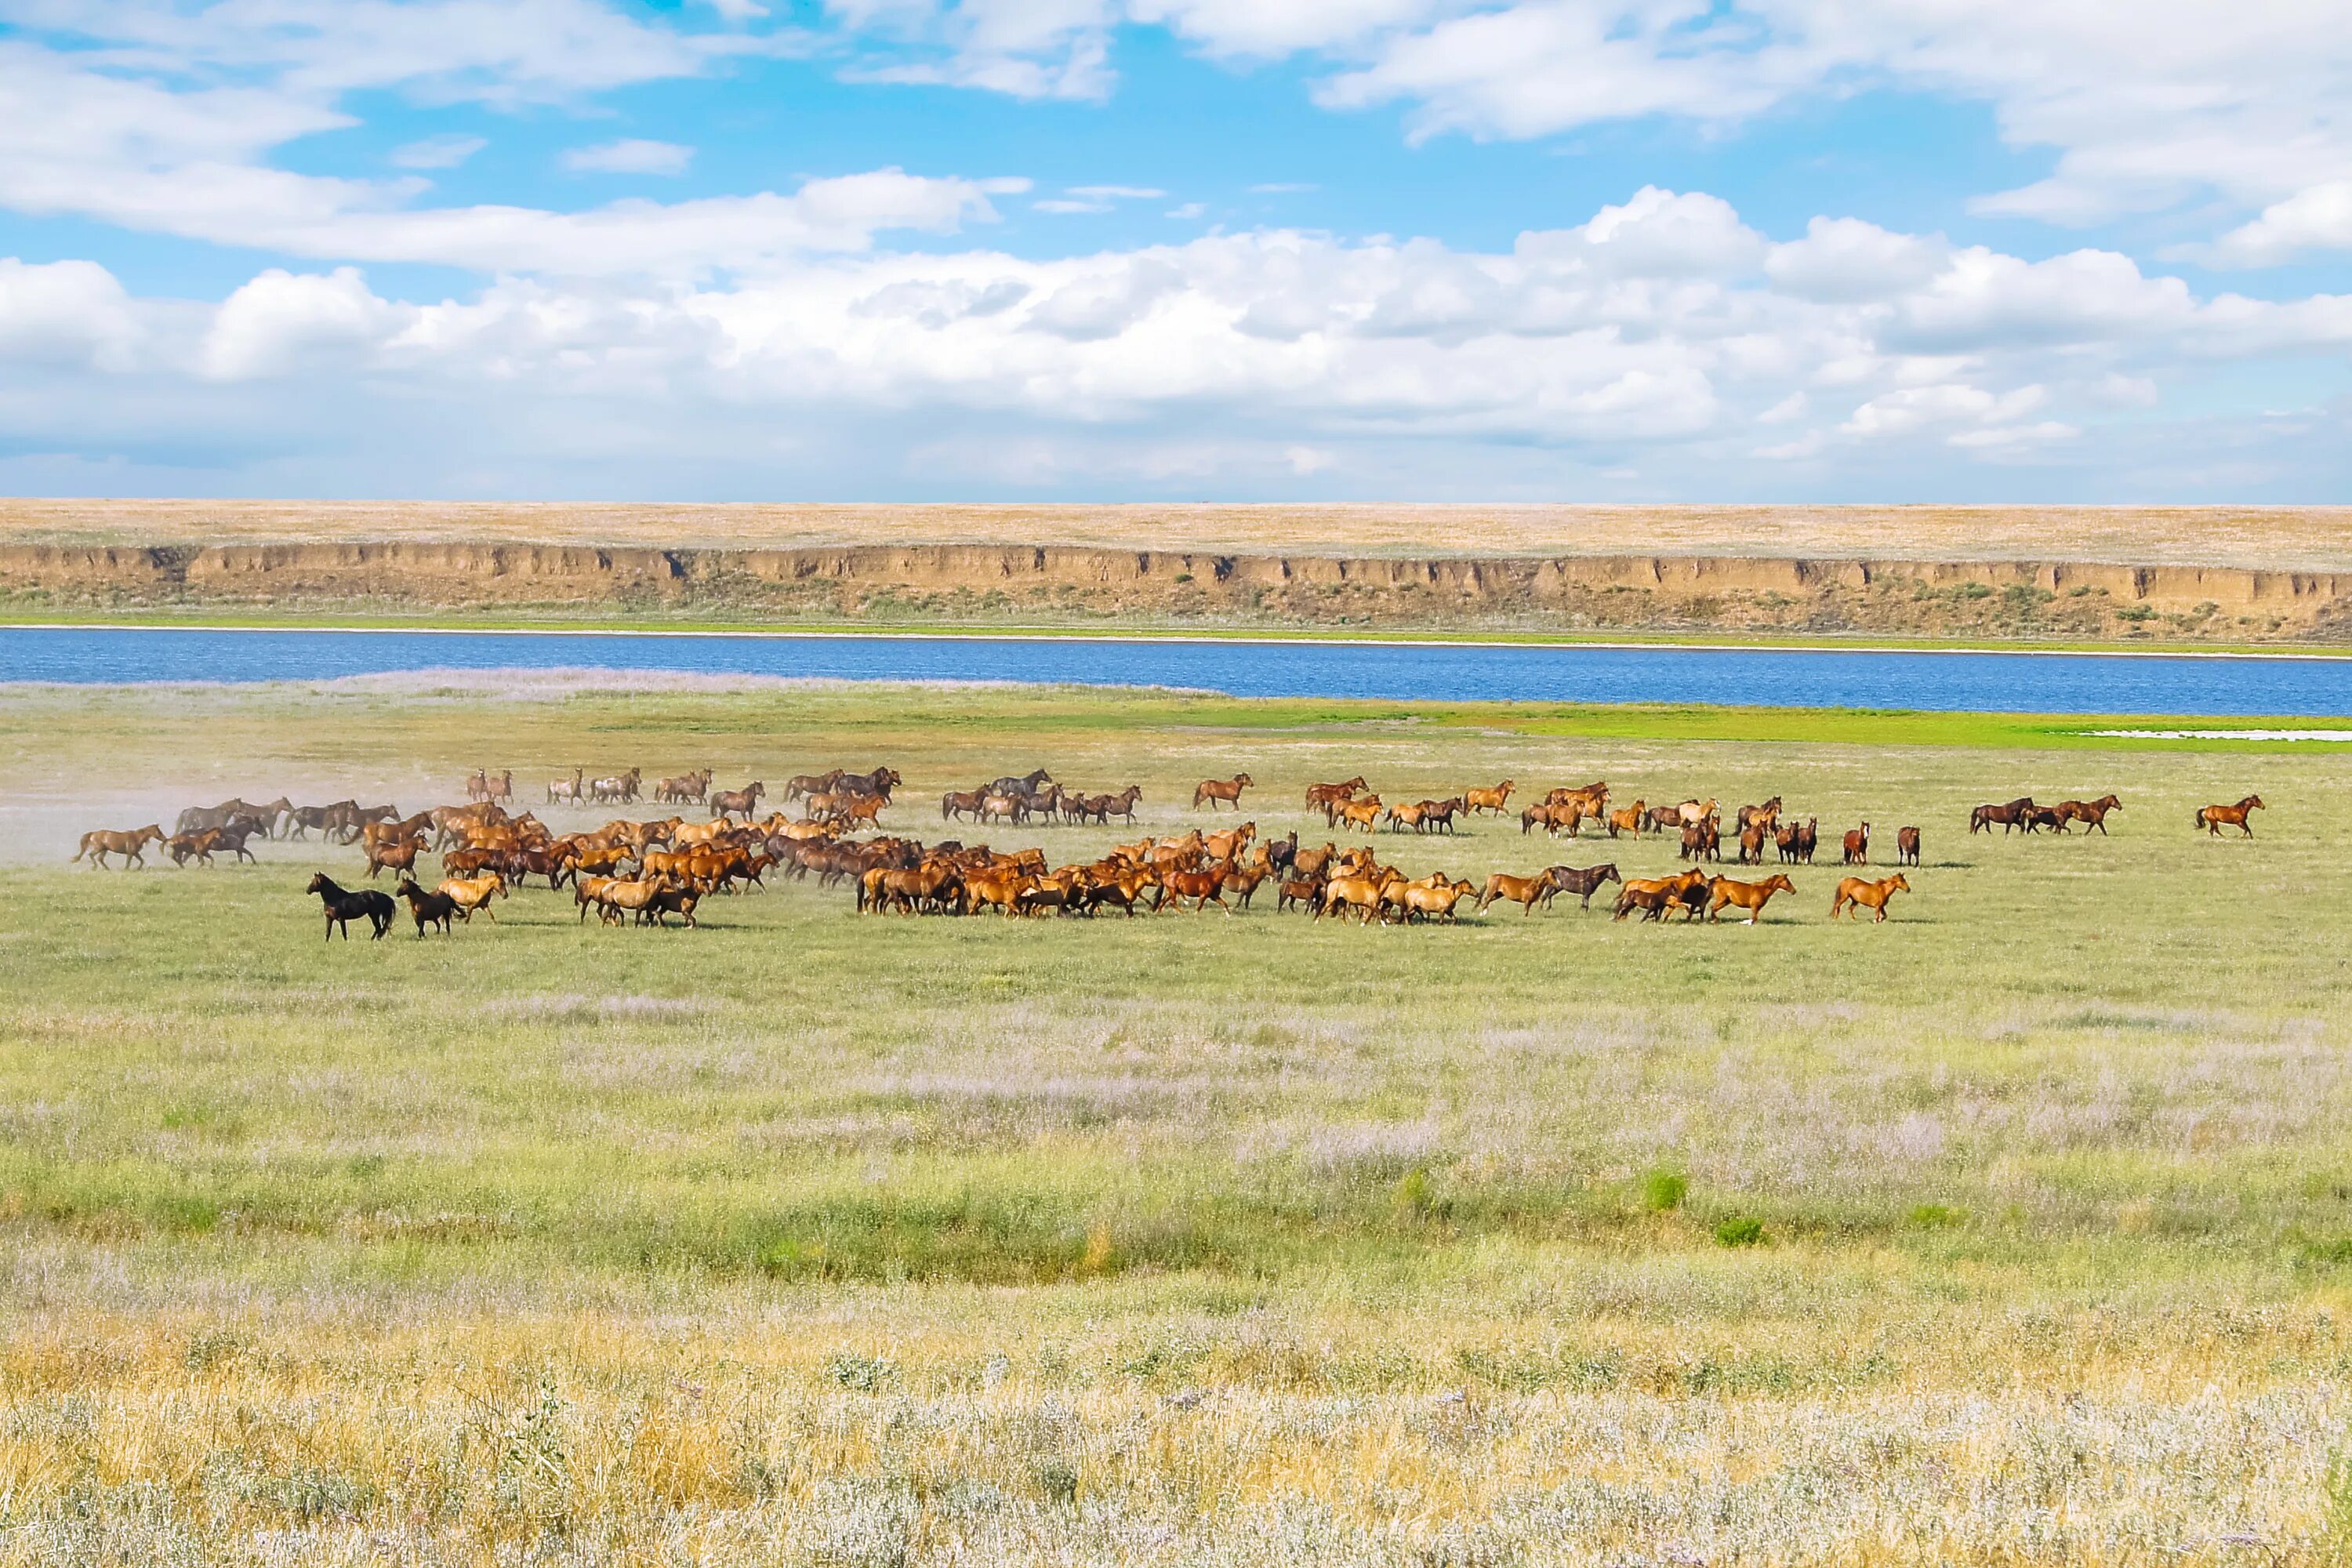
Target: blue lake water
(2066, 683)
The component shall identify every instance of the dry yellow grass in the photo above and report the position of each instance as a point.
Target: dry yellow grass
(2283, 538)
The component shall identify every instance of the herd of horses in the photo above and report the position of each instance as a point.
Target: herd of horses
(649, 871)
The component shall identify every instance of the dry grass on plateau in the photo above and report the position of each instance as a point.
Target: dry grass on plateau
(2018, 1230)
(2274, 538)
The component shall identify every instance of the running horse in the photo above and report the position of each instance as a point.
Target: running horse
(2213, 818)
(98, 845)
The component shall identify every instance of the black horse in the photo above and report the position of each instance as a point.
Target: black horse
(1583, 884)
(343, 906)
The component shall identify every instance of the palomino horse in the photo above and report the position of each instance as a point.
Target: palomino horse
(1854, 893)
(1228, 790)
(1750, 896)
(98, 845)
(2213, 818)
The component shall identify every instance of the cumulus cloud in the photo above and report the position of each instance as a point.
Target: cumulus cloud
(65, 312)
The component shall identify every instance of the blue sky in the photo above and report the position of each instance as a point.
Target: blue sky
(1127, 249)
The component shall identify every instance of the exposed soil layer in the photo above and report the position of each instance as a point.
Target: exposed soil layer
(982, 583)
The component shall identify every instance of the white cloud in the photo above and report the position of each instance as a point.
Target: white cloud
(1118, 192)
(1306, 460)
(630, 157)
(443, 151)
(2315, 220)
(65, 312)
(279, 322)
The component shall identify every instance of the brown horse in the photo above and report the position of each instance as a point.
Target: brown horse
(1628, 820)
(396, 855)
(1982, 818)
(1583, 883)
(1906, 846)
(2090, 813)
(430, 909)
(98, 845)
(2213, 818)
(1653, 895)
(727, 802)
(1324, 794)
(1854, 893)
(1857, 846)
(1228, 790)
(1750, 896)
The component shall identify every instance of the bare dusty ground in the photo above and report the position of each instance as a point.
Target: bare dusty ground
(2278, 538)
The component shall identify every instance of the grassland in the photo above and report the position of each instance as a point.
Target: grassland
(2019, 1230)
(2269, 538)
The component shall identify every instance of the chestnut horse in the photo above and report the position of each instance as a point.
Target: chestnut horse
(1228, 790)
(1750, 896)
(1982, 818)
(1522, 891)
(1906, 846)
(100, 845)
(1857, 846)
(2213, 818)
(2090, 813)
(1854, 893)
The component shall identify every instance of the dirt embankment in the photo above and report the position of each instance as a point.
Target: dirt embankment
(981, 584)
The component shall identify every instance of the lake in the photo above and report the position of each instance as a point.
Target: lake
(1849, 677)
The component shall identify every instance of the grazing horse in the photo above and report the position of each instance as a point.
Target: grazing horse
(1854, 893)
(1582, 883)
(2213, 818)
(1750, 896)
(1524, 891)
(1857, 846)
(343, 906)
(1228, 790)
(2090, 813)
(430, 909)
(726, 802)
(1906, 846)
(98, 845)
(1984, 816)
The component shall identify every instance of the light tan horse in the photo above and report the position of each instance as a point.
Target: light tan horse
(98, 845)
(1854, 893)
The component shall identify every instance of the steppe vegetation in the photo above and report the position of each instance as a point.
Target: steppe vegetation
(2018, 1229)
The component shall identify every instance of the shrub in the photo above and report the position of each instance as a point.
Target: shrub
(1739, 1233)
(1663, 1190)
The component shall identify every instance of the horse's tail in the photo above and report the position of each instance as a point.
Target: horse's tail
(2198, 819)
(85, 847)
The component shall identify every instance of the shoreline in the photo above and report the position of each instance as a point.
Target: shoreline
(1696, 642)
